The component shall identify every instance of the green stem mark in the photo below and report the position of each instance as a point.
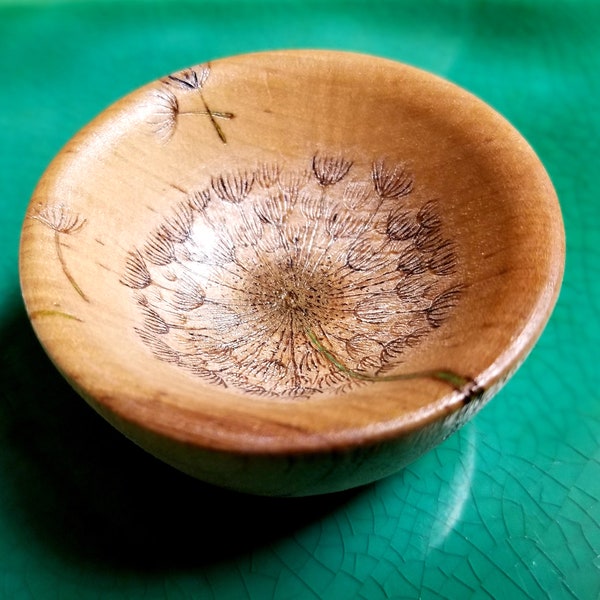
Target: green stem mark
(458, 382)
(63, 264)
(53, 313)
(215, 113)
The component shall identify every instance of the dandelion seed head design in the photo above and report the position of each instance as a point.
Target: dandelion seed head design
(234, 281)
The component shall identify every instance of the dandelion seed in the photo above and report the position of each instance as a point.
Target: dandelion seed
(399, 346)
(443, 259)
(356, 195)
(223, 252)
(391, 182)
(166, 112)
(159, 250)
(274, 208)
(201, 370)
(330, 169)
(428, 216)
(160, 349)
(428, 240)
(251, 231)
(443, 305)
(153, 322)
(341, 223)
(291, 182)
(411, 289)
(311, 206)
(62, 221)
(176, 228)
(361, 256)
(411, 262)
(375, 309)
(199, 199)
(402, 225)
(60, 218)
(136, 274)
(168, 109)
(368, 364)
(362, 345)
(233, 187)
(393, 350)
(189, 79)
(189, 295)
(267, 175)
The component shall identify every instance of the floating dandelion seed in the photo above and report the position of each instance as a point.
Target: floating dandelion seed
(189, 79)
(62, 221)
(166, 113)
(278, 283)
(167, 109)
(60, 218)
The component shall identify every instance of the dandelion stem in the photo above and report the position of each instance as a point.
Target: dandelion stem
(458, 382)
(63, 264)
(215, 113)
(213, 120)
(53, 313)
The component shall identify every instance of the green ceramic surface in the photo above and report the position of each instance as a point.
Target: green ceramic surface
(507, 508)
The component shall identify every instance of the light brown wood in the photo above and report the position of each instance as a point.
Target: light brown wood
(292, 272)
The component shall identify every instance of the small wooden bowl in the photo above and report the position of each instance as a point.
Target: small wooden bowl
(294, 272)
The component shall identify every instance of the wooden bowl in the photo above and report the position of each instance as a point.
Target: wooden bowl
(294, 272)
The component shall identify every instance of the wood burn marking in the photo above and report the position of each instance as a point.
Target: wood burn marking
(292, 281)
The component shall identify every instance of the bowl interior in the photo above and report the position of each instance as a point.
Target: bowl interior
(291, 250)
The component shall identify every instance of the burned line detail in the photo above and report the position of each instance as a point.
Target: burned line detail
(64, 223)
(171, 103)
(293, 280)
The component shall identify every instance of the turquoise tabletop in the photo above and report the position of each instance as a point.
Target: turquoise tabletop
(509, 507)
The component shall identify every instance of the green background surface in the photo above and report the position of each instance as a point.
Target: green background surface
(507, 508)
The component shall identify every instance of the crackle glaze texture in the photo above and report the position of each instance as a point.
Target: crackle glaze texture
(235, 280)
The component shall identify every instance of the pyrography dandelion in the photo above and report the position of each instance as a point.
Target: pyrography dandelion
(62, 221)
(189, 79)
(277, 283)
(167, 107)
(60, 218)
